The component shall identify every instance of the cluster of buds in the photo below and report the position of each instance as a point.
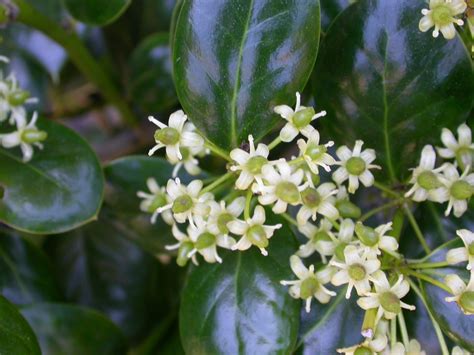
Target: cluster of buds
(443, 15)
(13, 113)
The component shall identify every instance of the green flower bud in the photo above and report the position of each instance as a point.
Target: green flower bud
(321, 236)
(256, 235)
(355, 166)
(339, 251)
(303, 117)
(466, 301)
(288, 192)
(222, 221)
(390, 302)
(428, 180)
(356, 272)
(348, 210)
(315, 151)
(363, 350)
(368, 236)
(31, 135)
(311, 197)
(182, 204)
(167, 136)
(461, 190)
(308, 287)
(205, 240)
(18, 97)
(183, 252)
(442, 15)
(158, 201)
(254, 164)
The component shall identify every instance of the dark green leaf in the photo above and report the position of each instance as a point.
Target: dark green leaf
(239, 306)
(60, 189)
(66, 329)
(385, 82)
(96, 12)
(51, 8)
(151, 85)
(330, 9)
(99, 268)
(25, 272)
(332, 326)
(16, 336)
(235, 60)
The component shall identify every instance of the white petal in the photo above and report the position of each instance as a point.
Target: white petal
(284, 111)
(298, 267)
(353, 184)
(448, 139)
(357, 148)
(328, 210)
(368, 302)
(237, 206)
(242, 244)
(366, 178)
(455, 283)
(466, 236)
(425, 23)
(448, 31)
(402, 289)
(340, 175)
(177, 120)
(262, 150)
(237, 227)
(340, 278)
(464, 135)
(239, 155)
(343, 153)
(351, 255)
(258, 215)
(244, 180)
(428, 158)
(457, 255)
(280, 207)
(288, 133)
(388, 243)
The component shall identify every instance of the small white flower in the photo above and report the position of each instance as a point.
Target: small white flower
(462, 294)
(386, 298)
(12, 99)
(466, 253)
(461, 149)
(184, 246)
(320, 200)
(249, 163)
(321, 239)
(281, 186)
(221, 215)
(186, 201)
(414, 348)
(177, 134)
(253, 231)
(315, 154)
(155, 199)
(374, 240)
(25, 137)
(426, 179)
(460, 188)
(299, 120)
(355, 166)
(309, 284)
(441, 15)
(189, 161)
(345, 237)
(457, 350)
(355, 271)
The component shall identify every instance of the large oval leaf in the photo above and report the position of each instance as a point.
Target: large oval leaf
(66, 329)
(25, 272)
(16, 336)
(330, 9)
(96, 12)
(385, 82)
(60, 189)
(239, 306)
(235, 60)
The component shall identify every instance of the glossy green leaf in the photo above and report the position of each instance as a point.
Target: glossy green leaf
(16, 336)
(151, 85)
(330, 9)
(96, 12)
(25, 272)
(331, 326)
(58, 190)
(68, 329)
(98, 267)
(235, 60)
(51, 8)
(385, 82)
(239, 306)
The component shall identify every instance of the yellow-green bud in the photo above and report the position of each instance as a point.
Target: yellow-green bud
(167, 136)
(222, 221)
(466, 301)
(183, 251)
(315, 151)
(367, 235)
(254, 164)
(348, 210)
(205, 240)
(442, 15)
(31, 135)
(428, 180)
(356, 272)
(308, 287)
(363, 350)
(18, 97)
(256, 235)
(182, 204)
(390, 302)
(355, 166)
(311, 197)
(461, 190)
(288, 192)
(339, 251)
(303, 117)
(158, 201)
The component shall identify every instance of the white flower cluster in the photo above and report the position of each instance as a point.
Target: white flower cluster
(12, 112)
(452, 182)
(442, 15)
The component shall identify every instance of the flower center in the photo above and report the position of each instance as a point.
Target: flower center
(315, 151)
(158, 201)
(461, 190)
(31, 135)
(355, 166)
(205, 240)
(368, 236)
(363, 350)
(308, 287)
(311, 197)
(465, 155)
(303, 117)
(183, 252)
(428, 180)
(466, 301)
(339, 251)
(182, 204)
(256, 235)
(18, 97)
(348, 210)
(442, 15)
(390, 302)
(222, 221)
(167, 136)
(254, 164)
(357, 272)
(288, 192)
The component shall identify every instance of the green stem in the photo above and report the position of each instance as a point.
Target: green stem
(335, 224)
(439, 333)
(403, 329)
(387, 189)
(393, 332)
(289, 219)
(427, 278)
(248, 201)
(380, 209)
(274, 143)
(217, 182)
(417, 229)
(217, 151)
(79, 55)
(368, 325)
(428, 265)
